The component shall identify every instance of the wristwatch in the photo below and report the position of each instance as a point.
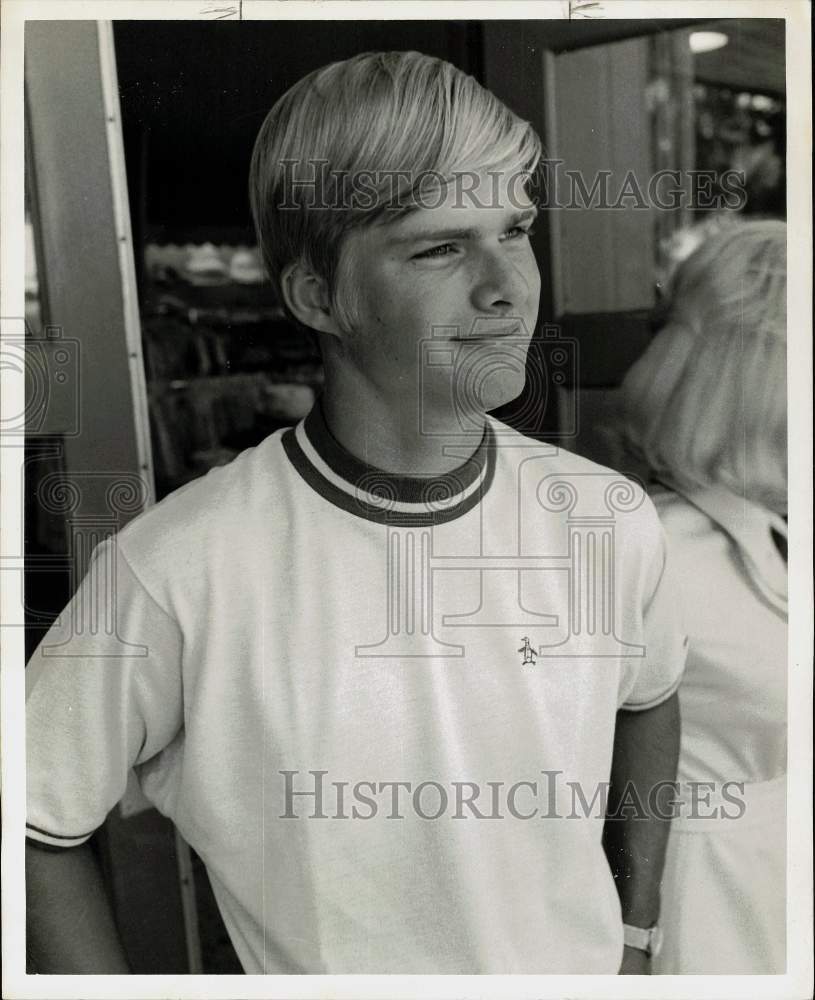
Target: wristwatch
(647, 939)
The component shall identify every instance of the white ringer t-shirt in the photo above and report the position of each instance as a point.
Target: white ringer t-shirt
(369, 701)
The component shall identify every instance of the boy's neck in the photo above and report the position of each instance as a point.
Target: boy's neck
(381, 434)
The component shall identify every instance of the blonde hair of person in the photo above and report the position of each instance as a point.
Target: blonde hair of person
(706, 404)
(366, 140)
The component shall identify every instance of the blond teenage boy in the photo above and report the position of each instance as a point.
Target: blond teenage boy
(392, 656)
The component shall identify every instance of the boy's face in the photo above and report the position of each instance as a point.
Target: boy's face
(463, 274)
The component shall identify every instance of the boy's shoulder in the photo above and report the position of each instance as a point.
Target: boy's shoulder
(211, 512)
(560, 461)
(579, 487)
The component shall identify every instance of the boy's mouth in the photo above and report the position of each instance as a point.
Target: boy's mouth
(483, 332)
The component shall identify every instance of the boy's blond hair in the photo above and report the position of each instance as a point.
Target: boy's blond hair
(369, 139)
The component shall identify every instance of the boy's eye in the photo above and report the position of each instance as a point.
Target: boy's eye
(448, 249)
(443, 250)
(519, 231)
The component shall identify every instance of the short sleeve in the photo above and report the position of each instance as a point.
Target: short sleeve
(657, 674)
(103, 693)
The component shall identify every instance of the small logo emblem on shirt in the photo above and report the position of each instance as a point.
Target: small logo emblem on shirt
(529, 652)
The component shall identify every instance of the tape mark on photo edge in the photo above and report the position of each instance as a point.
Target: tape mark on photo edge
(224, 13)
(585, 9)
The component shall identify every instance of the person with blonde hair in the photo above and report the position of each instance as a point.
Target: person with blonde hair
(704, 409)
(330, 702)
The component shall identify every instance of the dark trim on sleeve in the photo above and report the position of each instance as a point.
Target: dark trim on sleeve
(654, 702)
(59, 836)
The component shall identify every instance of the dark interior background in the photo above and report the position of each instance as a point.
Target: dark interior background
(194, 95)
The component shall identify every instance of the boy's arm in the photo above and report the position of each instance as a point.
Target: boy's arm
(69, 920)
(98, 702)
(646, 750)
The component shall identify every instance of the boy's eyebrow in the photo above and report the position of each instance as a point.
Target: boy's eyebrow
(422, 235)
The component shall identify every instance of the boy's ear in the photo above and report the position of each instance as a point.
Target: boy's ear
(306, 295)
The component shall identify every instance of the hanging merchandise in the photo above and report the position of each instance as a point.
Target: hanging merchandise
(225, 367)
(245, 267)
(205, 266)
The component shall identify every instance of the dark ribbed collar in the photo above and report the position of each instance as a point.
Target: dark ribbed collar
(385, 497)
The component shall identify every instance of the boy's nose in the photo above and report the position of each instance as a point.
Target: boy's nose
(501, 286)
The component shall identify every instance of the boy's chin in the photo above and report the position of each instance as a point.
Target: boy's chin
(501, 390)
(465, 404)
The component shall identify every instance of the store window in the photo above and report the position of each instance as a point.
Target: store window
(709, 149)
(716, 101)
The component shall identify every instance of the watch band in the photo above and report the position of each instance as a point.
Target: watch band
(647, 939)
